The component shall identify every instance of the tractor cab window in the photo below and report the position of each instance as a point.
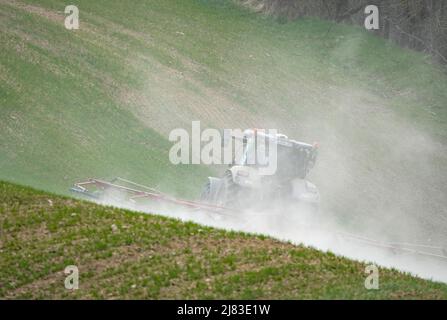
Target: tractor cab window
(249, 153)
(292, 162)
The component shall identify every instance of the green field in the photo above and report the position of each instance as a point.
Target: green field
(148, 256)
(100, 102)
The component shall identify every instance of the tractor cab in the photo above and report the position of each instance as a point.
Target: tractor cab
(250, 180)
(293, 159)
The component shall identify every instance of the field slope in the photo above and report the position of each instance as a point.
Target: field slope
(123, 254)
(100, 101)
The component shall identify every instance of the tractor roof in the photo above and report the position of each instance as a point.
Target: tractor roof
(279, 138)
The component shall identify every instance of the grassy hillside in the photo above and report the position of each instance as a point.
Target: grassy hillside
(147, 256)
(100, 101)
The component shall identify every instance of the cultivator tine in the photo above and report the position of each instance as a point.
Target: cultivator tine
(139, 191)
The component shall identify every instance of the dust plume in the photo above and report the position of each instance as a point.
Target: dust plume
(299, 226)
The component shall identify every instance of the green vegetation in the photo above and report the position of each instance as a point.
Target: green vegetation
(100, 102)
(147, 256)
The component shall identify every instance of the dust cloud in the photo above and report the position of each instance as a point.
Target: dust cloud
(381, 185)
(300, 226)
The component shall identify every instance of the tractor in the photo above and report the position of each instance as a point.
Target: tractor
(246, 184)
